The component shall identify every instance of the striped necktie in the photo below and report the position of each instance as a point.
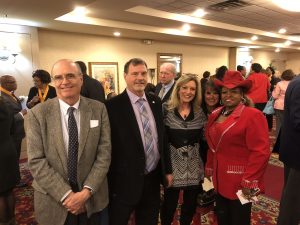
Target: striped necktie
(161, 92)
(149, 142)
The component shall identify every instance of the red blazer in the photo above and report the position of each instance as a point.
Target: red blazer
(239, 156)
(260, 87)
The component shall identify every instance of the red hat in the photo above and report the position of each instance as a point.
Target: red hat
(233, 79)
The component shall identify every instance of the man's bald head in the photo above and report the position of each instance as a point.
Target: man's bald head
(8, 82)
(167, 73)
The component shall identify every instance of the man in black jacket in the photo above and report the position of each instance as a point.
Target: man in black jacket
(139, 160)
(289, 154)
(167, 75)
(91, 87)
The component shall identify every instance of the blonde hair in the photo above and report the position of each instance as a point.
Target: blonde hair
(174, 101)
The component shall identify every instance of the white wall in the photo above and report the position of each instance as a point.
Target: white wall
(25, 39)
(293, 62)
(278, 60)
(55, 45)
(41, 48)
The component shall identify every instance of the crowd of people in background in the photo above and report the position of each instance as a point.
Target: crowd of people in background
(99, 159)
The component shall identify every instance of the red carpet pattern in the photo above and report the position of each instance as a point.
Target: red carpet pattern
(24, 198)
(264, 212)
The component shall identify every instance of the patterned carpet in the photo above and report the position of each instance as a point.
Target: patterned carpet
(264, 212)
(24, 198)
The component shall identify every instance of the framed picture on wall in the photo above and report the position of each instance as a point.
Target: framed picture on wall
(108, 75)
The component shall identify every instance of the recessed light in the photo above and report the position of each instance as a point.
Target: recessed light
(117, 34)
(290, 5)
(186, 27)
(80, 11)
(199, 13)
(287, 43)
(282, 31)
(254, 38)
(277, 50)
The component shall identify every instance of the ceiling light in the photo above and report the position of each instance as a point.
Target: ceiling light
(290, 5)
(277, 50)
(282, 31)
(287, 43)
(80, 11)
(186, 27)
(199, 13)
(117, 34)
(254, 38)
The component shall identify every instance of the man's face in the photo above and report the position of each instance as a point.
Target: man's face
(136, 79)
(165, 74)
(244, 71)
(67, 81)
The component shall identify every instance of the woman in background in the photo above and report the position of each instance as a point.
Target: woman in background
(204, 80)
(9, 170)
(41, 90)
(279, 94)
(211, 100)
(239, 149)
(211, 97)
(184, 121)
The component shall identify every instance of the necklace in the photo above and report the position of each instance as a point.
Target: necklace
(226, 112)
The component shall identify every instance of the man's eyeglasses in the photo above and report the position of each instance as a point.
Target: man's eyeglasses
(60, 78)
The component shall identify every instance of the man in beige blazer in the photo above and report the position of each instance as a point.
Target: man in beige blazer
(60, 197)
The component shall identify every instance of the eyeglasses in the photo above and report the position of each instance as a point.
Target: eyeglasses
(60, 78)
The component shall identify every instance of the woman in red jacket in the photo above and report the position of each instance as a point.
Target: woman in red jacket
(237, 135)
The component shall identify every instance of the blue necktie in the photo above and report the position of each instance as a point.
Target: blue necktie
(149, 142)
(73, 147)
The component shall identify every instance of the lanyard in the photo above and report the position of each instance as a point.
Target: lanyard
(43, 96)
(8, 93)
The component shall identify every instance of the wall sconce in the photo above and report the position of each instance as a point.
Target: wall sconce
(6, 55)
(151, 72)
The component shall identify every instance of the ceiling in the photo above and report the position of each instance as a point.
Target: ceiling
(161, 20)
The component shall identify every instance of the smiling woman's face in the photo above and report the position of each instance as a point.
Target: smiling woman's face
(211, 97)
(231, 97)
(187, 92)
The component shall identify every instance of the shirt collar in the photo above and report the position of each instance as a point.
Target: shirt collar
(64, 106)
(134, 98)
(169, 85)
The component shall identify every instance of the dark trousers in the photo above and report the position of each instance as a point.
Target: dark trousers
(232, 212)
(260, 106)
(188, 206)
(286, 172)
(289, 213)
(146, 210)
(269, 118)
(82, 219)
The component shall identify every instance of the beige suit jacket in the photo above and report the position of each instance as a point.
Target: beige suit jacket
(47, 158)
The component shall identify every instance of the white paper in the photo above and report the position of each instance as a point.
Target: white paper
(207, 185)
(94, 123)
(244, 200)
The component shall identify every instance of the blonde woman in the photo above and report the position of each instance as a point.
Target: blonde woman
(184, 121)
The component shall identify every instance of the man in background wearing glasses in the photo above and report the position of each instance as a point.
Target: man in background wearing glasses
(69, 152)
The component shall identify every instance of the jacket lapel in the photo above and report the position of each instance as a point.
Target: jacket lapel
(232, 121)
(85, 118)
(54, 118)
(132, 121)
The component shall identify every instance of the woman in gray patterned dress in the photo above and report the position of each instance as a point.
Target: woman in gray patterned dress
(184, 121)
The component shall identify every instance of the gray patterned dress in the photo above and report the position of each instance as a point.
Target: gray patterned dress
(183, 137)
